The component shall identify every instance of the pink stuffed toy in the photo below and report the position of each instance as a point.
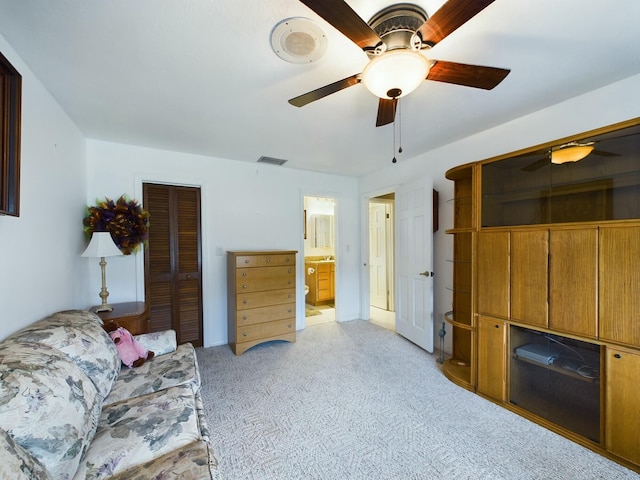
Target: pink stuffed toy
(132, 352)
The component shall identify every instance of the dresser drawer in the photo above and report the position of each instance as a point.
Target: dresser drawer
(268, 260)
(260, 274)
(264, 299)
(265, 330)
(275, 283)
(265, 314)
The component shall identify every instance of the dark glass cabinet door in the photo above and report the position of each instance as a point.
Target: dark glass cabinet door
(529, 189)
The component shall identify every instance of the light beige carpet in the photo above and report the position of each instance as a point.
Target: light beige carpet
(356, 401)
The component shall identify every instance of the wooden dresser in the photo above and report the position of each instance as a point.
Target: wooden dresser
(261, 303)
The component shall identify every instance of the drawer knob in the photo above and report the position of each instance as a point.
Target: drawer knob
(244, 301)
(289, 311)
(244, 317)
(289, 296)
(244, 334)
(246, 260)
(617, 355)
(289, 271)
(289, 283)
(244, 274)
(268, 260)
(244, 286)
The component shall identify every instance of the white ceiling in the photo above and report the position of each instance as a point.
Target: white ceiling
(199, 76)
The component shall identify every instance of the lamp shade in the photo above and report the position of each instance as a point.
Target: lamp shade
(396, 69)
(101, 245)
(571, 153)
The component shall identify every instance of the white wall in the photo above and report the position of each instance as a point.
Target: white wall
(612, 104)
(245, 206)
(41, 270)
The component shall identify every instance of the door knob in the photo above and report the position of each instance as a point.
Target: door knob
(427, 273)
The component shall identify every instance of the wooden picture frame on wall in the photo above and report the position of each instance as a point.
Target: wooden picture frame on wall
(10, 124)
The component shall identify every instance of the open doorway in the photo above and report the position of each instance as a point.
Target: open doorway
(319, 260)
(381, 261)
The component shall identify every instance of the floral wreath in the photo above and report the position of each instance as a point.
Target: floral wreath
(125, 219)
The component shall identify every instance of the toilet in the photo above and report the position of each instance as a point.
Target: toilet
(306, 290)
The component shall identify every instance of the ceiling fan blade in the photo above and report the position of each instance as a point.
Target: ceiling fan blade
(346, 20)
(386, 111)
(322, 92)
(605, 154)
(467, 75)
(450, 17)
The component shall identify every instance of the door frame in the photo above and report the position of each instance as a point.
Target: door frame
(207, 249)
(390, 233)
(365, 278)
(301, 321)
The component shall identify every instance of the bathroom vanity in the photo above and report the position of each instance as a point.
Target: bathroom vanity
(320, 278)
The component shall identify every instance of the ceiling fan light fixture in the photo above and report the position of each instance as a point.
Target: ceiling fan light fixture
(571, 153)
(395, 70)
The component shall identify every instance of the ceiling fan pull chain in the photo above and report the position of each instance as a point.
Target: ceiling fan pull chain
(399, 125)
(394, 142)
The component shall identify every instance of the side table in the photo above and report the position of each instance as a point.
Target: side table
(134, 316)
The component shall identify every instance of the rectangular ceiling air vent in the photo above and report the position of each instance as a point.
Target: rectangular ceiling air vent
(271, 160)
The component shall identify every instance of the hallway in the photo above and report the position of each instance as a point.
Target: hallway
(382, 318)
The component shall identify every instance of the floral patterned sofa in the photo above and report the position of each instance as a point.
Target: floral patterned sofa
(69, 411)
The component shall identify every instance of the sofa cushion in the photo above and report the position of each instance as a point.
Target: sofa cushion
(193, 462)
(47, 404)
(139, 430)
(164, 371)
(16, 463)
(158, 342)
(80, 336)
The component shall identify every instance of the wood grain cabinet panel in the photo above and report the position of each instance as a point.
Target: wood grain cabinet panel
(619, 287)
(573, 281)
(529, 276)
(622, 434)
(492, 358)
(261, 300)
(493, 273)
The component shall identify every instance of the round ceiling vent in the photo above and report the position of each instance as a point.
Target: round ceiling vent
(298, 40)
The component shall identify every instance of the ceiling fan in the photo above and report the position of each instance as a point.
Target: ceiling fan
(571, 152)
(394, 39)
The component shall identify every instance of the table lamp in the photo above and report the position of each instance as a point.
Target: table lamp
(102, 245)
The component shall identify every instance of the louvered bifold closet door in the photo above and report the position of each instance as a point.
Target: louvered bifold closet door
(158, 262)
(188, 265)
(173, 261)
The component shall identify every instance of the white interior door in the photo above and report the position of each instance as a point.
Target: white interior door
(378, 255)
(414, 263)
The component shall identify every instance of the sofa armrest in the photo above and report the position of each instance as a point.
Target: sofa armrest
(18, 463)
(159, 342)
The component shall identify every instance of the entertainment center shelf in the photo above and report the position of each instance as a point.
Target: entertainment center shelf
(545, 317)
(561, 368)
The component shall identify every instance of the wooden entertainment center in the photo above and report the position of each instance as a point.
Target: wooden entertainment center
(545, 316)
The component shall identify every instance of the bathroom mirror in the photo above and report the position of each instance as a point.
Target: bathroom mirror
(322, 230)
